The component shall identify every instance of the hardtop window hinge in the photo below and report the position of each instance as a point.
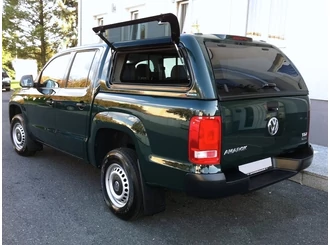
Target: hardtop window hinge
(100, 34)
(182, 60)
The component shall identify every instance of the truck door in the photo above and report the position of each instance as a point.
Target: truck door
(74, 103)
(40, 104)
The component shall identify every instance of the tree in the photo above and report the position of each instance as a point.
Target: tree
(36, 29)
(6, 63)
(69, 16)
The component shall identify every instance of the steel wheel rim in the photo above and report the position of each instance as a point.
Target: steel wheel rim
(18, 135)
(117, 185)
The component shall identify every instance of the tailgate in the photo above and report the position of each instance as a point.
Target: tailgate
(254, 129)
(263, 100)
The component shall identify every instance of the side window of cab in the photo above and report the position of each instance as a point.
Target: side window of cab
(53, 75)
(81, 71)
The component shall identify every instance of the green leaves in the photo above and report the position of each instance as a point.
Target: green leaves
(6, 64)
(36, 29)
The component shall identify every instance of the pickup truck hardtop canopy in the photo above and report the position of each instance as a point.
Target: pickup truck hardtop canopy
(161, 29)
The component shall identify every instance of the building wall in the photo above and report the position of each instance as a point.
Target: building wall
(307, 45)
(231, 18)
(308, 42)
(319, 122)
(306, 38)
(23, 67)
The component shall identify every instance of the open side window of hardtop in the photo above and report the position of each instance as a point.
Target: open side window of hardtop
(159, 29)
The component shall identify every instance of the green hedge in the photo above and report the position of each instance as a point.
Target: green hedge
(14, 84)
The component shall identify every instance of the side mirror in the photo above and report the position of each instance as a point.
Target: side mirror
(26, 81)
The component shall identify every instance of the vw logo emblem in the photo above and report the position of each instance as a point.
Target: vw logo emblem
(272, 126)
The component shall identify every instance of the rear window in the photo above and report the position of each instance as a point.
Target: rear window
(248, 69)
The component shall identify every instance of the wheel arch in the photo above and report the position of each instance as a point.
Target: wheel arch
(110, 130)
(14, 109)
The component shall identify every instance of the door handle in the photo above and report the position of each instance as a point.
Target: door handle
(50, 102)
(273, 109)
(272, 106)
(81, 105)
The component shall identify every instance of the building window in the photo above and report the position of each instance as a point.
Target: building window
(137, 31)
(100, 21)
(182, 9)
(267, 20)
(134, 15)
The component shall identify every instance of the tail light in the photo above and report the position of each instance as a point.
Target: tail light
(204, 140)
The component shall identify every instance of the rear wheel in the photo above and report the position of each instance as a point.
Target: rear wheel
(19, 136)
(120, 183)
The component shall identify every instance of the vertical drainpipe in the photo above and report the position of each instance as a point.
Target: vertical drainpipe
(192, 19)
(231, 17)
(247, 17)
(79, 22)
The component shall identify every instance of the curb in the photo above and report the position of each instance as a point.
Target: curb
(311, 179)
(316, 175)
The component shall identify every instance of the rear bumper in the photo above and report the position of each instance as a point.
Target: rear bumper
(235, 182)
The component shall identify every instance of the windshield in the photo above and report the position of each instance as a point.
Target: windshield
(247, 68)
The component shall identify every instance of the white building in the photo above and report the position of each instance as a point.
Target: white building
(299, 28)
(23, 67)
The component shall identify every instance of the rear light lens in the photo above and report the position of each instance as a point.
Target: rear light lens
(239, 38)
(204, 140)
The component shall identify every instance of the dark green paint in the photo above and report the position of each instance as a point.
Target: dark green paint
(238, 131)
(72, 121)
(164, 122)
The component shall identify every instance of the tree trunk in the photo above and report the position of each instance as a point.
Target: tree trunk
(43, 43)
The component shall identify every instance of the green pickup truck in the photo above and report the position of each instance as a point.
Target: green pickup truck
(211, 115)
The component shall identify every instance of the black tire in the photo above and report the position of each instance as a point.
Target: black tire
(19, 136)
(7, 89)
(120, 181)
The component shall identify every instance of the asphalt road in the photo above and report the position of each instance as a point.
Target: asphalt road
(53, 198)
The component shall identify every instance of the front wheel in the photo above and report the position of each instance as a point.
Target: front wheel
(120, 181)
(19, 136)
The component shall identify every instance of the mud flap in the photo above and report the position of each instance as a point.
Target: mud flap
(153, 197)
